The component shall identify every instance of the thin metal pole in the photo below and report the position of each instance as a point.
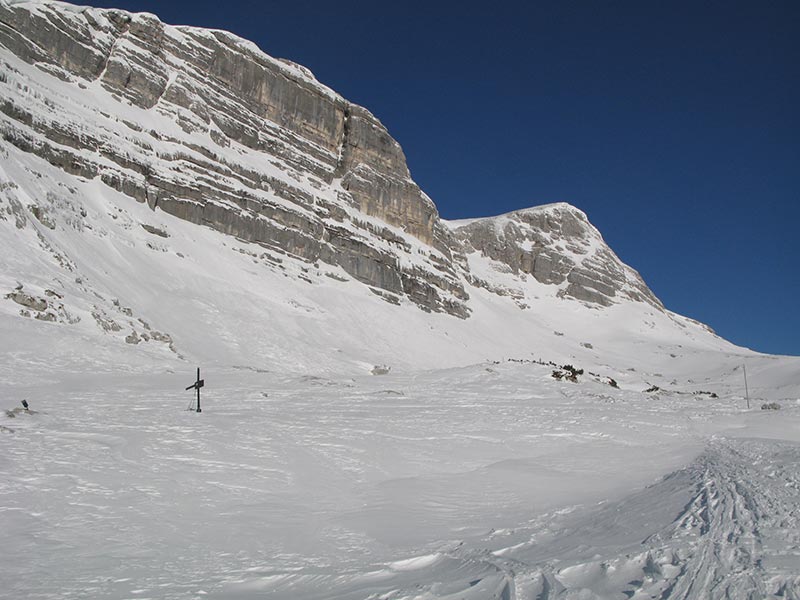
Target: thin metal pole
(198, 389)
(746, 390)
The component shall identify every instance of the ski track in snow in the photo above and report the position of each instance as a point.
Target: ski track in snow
(743, 524)
(737, 537)
(466, 483)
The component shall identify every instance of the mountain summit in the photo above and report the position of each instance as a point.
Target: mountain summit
(118, 131)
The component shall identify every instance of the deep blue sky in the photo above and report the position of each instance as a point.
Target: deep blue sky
(674, 125)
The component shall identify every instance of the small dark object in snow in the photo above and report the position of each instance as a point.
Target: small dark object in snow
(154, 230)
(572, 373)
(652, 388)
(612, 383)
(196, 386)
(770, 406)
(25, 404)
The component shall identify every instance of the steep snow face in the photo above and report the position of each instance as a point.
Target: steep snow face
(85, 268)
(557, 245)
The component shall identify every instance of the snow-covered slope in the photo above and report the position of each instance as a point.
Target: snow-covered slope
(204, 126)
(175, 191)
(108, 272)
(145, 282)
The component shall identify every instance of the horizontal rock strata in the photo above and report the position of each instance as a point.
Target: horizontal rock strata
(203, 125)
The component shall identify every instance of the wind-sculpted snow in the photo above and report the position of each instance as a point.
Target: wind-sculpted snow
(111, 273)
(493, 481)
(735, 533)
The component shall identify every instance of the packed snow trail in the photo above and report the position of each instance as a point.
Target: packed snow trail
(736, 536)
(743, 523)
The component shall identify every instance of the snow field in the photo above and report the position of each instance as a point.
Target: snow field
(305, 486)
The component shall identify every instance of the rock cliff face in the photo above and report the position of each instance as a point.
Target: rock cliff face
(558, 246)
(203, 125)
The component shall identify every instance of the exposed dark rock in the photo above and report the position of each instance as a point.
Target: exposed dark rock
(28, 300)
(155, 230)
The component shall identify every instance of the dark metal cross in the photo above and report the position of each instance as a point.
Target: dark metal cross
(197, 385)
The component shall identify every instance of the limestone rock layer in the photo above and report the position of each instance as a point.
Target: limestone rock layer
(205, 126)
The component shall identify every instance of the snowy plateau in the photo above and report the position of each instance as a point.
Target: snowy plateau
(395, 407)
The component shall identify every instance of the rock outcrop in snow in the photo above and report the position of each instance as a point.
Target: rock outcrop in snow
(557, 245)
(204, 126)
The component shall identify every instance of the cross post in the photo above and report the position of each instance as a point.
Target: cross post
(197, 385)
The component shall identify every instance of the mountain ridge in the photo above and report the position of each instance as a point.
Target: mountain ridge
(201, 126)
(524, 240)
